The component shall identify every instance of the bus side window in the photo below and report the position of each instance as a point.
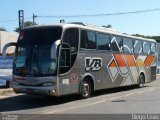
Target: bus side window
(138, 46)
(65, 60)
(88, 40)
(103, 41)
(153, 48)
(71, 37)
(146, 47)
(116, 43)
(127, 45)
(84, 39)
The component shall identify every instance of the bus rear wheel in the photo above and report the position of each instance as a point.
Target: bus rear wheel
(141, 81)
(85, 89)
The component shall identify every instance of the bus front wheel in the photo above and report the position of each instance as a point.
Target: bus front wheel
(85, 89)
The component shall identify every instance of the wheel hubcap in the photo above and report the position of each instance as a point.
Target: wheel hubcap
(86, 89)
(141, 81)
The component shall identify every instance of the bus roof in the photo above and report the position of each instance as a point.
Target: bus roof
(93, 28)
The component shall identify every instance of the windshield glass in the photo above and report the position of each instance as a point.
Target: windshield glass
(33, 51)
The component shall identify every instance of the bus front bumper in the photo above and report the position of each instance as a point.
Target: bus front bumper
(43, 90)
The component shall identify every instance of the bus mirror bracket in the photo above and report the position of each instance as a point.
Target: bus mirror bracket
(5, 48)
(54, 48)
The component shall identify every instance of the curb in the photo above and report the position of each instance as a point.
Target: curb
(5, 91)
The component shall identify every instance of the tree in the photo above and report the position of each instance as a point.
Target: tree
(2, 29)
(157, 38)
(108, 26)
(138, 35)
(26, 24)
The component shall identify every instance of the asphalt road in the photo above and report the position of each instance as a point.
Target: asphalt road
(125, 100)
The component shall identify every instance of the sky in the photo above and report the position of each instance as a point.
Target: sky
(142, 23)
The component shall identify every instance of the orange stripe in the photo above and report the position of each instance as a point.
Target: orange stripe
(113, 64)
(130, 60)
(120, 60)
(148, 60)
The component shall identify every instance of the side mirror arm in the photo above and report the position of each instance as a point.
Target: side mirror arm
(54, 48)
(5, 48)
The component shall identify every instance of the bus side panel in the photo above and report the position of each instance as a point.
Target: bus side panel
(128, 67)
(70, 81)
(153, 69)
(116, 70)
(123, 65)
(102, 76)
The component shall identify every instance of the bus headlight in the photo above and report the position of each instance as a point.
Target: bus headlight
(53, 91)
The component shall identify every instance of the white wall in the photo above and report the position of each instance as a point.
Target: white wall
(6, 65)
(6, 37)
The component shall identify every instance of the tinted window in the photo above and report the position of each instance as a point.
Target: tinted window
(153, 47)
(71, 37)
(103, 41)
(146, 47)
(88, 40)
(33, 51)
(40, 36)
(127, 45)
(116, 43)
(137, 46)
(64, 61)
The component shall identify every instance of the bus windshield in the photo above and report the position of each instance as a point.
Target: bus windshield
(33, 51)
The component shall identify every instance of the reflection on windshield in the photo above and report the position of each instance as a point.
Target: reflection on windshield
(33, 51)
(35, 60)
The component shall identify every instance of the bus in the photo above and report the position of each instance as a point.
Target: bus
(76, 58)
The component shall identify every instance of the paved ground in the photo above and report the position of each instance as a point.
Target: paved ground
(4, 91)
(125, 100)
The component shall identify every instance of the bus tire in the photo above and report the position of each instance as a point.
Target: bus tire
(141, 81)
(85, 89)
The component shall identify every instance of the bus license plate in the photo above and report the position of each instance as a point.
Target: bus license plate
(30, 90)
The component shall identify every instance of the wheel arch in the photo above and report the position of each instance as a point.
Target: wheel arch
(90, 78)
(144, 75)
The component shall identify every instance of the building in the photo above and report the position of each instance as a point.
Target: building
(6, 65)
(7, 37)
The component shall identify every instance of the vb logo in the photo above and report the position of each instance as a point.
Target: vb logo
(93, 64)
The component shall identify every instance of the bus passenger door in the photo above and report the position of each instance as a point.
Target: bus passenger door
(68, 70)
(64, 67)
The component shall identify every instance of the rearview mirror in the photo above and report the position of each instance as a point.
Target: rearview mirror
(5, 48)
